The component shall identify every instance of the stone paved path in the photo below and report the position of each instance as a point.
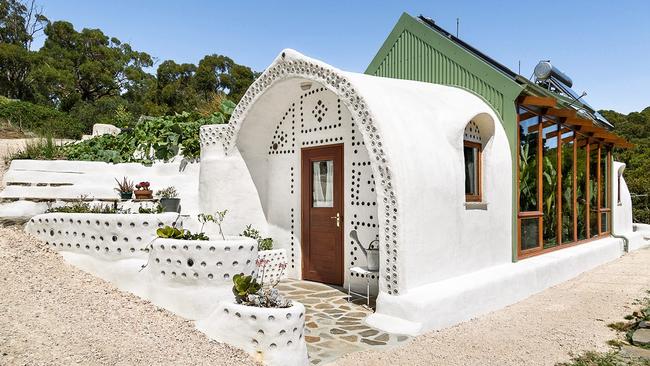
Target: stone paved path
(333, 326)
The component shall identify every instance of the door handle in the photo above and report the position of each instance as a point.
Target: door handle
(338, 219)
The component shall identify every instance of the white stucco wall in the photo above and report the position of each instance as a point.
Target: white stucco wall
(282, 122)
(423, 127)
(414, 131)
(622, 213)
(637, 235)
(30, 181)
(225, 184)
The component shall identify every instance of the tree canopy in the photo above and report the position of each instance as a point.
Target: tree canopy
(636, 128)
(91, 75)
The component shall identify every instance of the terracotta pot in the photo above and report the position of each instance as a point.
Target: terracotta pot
(142, 194)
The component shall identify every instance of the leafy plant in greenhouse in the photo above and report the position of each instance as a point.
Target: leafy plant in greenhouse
(550, 212)
(528, 179)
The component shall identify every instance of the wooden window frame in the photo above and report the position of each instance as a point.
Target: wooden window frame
(479, 171)
(607, 192)
(619, 175)
(577, 135)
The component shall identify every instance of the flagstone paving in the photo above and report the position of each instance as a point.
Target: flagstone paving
(333, 326)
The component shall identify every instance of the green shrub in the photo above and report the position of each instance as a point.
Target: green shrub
(159, 138)
(262, 243)
(41, 149)
(265, 244)
(42, 120)
(85, 207)
(151, 139)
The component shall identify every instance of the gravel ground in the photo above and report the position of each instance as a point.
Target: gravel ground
(54, 314)
(542, 330)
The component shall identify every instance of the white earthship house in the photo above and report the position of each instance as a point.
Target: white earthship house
(329, 151)
(310, 154)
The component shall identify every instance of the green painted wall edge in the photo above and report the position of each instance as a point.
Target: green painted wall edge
(411, 52)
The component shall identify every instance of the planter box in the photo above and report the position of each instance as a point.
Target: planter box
(273, 271)
(204, 262)
(170, 204)
(274, 336)
(107, 236)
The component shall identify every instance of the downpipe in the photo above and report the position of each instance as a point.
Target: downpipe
(626, 241)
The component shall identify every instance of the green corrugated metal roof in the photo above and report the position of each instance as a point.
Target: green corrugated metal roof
(414, 51)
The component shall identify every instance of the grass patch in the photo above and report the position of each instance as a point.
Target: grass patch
(592, 359)
(84, 207)
(621, 326)
(603, 359)
(616, 343)
(41, 149)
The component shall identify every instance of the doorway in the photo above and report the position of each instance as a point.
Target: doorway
(322, 214)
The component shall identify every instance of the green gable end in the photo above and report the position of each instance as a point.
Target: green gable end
(413, 51)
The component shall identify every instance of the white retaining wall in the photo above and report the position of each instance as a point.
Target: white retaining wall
(637, 235)
(461, 298)
(271, 336)
(105, 236)
(199, 262)
(32, 183)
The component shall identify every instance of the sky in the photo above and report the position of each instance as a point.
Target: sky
(604, 46)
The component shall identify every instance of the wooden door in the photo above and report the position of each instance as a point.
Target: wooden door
(322, 214)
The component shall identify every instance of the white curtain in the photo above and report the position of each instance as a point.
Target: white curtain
(470, 171)
(323, 180)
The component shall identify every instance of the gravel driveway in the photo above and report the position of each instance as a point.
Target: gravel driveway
(541, 330)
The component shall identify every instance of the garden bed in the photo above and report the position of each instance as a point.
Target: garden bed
(274, 336)
(205, 262)
(107, 236)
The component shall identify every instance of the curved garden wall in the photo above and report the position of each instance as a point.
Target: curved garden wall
(274, 336)
(209, 262)
(106, 236)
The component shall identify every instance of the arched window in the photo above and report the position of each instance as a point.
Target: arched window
(472, 149)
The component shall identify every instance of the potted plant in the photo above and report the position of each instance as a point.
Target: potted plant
(125, 188)
(142, 191)
(169, 199)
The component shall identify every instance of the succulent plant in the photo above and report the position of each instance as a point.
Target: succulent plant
(124, 186)
(244, 286)
(169, 192)
(170, 232)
